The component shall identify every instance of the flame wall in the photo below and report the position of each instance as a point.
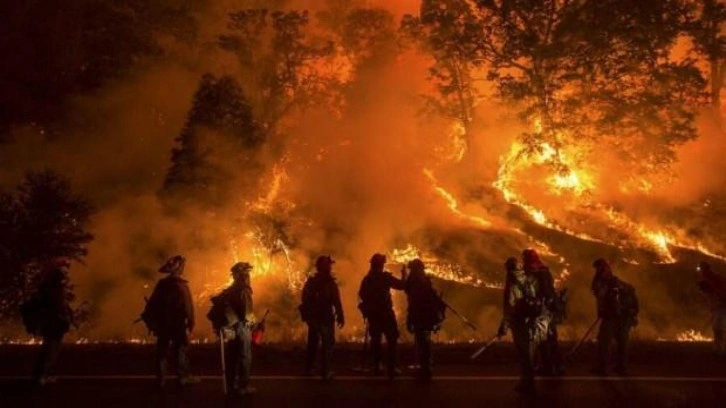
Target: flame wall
(376, 178)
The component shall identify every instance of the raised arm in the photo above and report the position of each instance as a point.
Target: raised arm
(395, 283)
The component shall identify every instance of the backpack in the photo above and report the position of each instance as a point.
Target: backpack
(310, 295)
(559, 307)
(157, 307)
(315, 299)
(31, 313)
(426, 309)
(435, 311)
(621, 301)
(530, 305)
(40, 316)
(221, 314)
(151, 316)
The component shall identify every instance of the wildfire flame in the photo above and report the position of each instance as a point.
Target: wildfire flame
(693, 335)
(689, 336)
(453, 203)
(441, 270)
(569, 178)
(265, 203)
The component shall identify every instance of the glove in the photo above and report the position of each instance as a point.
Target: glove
(502, 330)
(259, 326)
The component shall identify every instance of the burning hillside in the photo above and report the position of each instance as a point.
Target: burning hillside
(458, 132)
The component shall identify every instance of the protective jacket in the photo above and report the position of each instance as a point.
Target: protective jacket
(523, 305)
(425, 307)
(170, 307)
(616, 299)
(375, 293)
(321, 300)
(239, 298)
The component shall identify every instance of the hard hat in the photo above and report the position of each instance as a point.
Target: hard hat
(241, 267)
(173, 264)
(378, 259)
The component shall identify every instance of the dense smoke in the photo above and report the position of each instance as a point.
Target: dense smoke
(351, 180)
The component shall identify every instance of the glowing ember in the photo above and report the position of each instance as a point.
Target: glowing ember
(693, 335)
(562, 278)
(33, 341)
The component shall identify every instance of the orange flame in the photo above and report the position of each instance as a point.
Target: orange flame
(453, 203)
(441, 270)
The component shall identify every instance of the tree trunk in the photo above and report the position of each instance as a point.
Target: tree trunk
(717, 76)
(465, 108)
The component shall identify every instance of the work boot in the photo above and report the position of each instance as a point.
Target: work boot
(189, 380)
(45, 380)
(599, 371)
(543, 372)
(525, 387)
(309, 371)
(246, 391)
(394, 372)
(621, 371)
(424, 374)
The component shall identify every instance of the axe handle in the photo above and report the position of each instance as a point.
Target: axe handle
(582, 340)
(463, 319)
(224, 367)
(484, 347)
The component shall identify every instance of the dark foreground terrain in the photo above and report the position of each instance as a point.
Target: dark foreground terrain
(662, 374)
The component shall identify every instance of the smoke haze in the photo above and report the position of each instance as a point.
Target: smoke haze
(349, 184)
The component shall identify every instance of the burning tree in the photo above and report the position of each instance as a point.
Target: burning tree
(234, 116)
(444, 30)
(368, 36)
(581, 72)
(43, 221)
(220, 122)
(230, 156)
(706, 27)
(580, 75)
(278, 63)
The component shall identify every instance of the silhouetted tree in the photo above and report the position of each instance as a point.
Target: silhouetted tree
(53, 49)
(42, 222)
(444, 30)
(219, 128)
(581, 71)
(233, 117)
(278, 62)
(707, 28)
(365, 42)
(369, 36)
